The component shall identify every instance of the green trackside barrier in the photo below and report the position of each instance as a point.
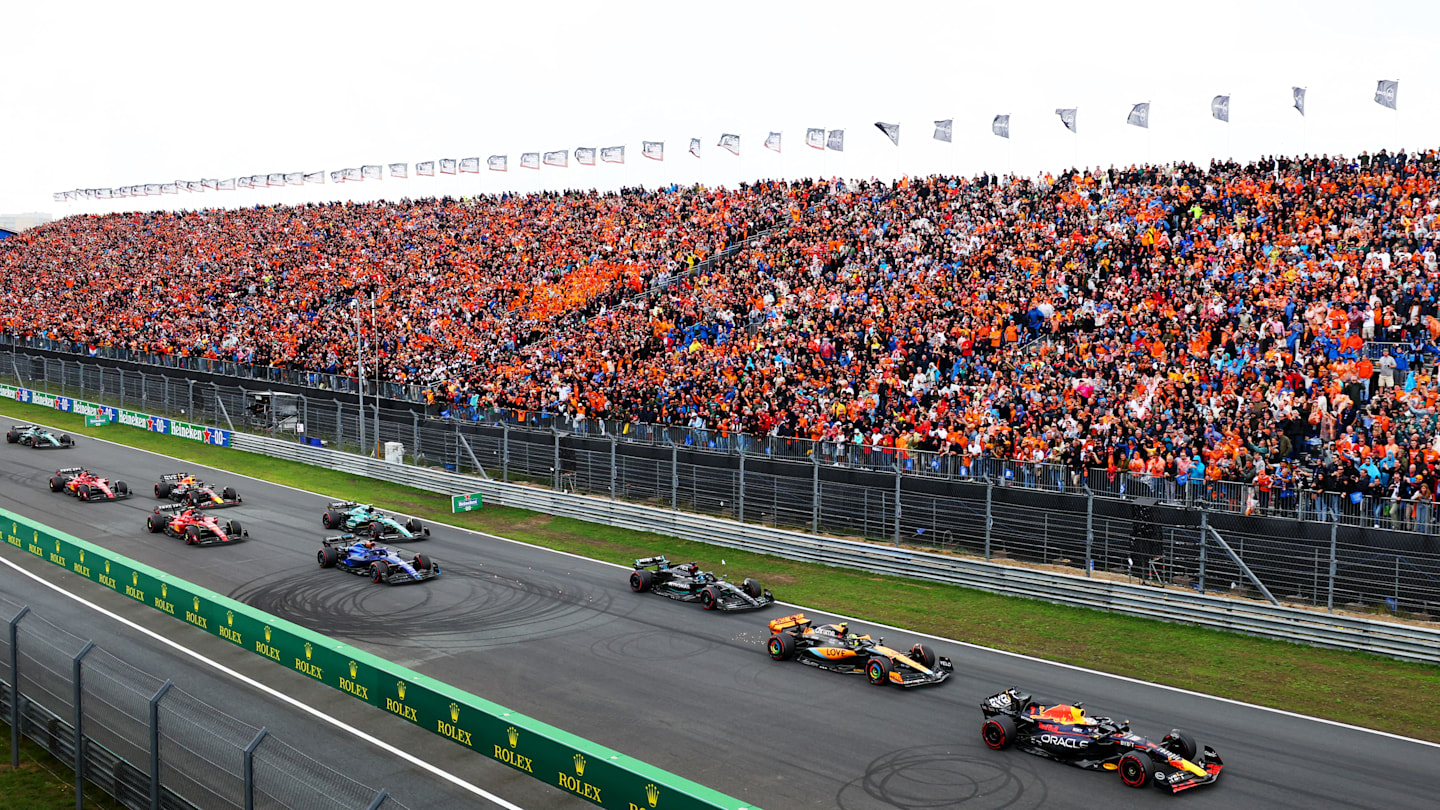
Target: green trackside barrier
(605, 777)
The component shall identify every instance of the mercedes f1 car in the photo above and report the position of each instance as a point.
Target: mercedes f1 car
(195, 527)
(357, 518)
(38, 437)
(190, 491)
(87, 486)
(834, 647)
(687, 583)
(1064, 732)
(350, 552)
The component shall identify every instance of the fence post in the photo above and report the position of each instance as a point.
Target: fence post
(378, 800)
(122, 386)
(80, 367)
(897, 501)
(613, 441)
(61, 361)
(505, 452)
(989, 503)
(15, 688)
(79, 726)
(339, 426)
(740, 504)
(674, 476)
(155, 744)
(1330, 598)
(144, 395)
(815, 496)
(555, 482)
(191, 386)
(415, 437)
(1204, 541)
(249, 767)
(1089, 530)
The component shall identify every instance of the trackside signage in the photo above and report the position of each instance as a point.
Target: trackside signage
(572, 764)
(156, 424)
(466, 503)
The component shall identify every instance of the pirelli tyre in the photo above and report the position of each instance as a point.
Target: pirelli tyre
(1136, 770)
(642, 580)
(121, 489)
(57, 484)
(83, 492)
(327, 557)
(422, 563)
(781, 646)
(330, 519)
(998, 732)
(752, 588)
(1180, 744)
(379, 571)
(923, 656)
(162, 489)
(710, 597)
(233, 529)
(153, 525)
(192, 535)
(66, 441)
(11, 437)
(229, 494)
(877, 671)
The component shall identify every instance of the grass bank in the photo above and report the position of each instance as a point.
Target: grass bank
(1348, 687)
(42, 782)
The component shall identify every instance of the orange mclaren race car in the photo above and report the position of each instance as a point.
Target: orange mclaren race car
(834, 647)
(1065, 733)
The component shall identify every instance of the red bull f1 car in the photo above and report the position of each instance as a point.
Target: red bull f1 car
(38, 437)
(363, 556)
(834, 647)
(1065, 733)
(87, 486)
(186, 489)
(687, 583)
(193, 526)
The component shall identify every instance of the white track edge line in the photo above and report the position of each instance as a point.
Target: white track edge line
(274, 693)
(973, 646)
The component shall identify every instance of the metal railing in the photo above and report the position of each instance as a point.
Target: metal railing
(145, 741)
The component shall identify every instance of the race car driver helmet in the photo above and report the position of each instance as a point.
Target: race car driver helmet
(369, 544)
(841, 629)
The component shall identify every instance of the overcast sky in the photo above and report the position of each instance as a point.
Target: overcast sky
(101, 95)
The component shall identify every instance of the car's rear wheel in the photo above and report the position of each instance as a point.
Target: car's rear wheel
(710, 597)
(923, 656)
(83, 493)
(1181, 744)
(57, 484)
(1136, 770)
(122, 488)
(378, 571)
(781, 646)
(162, 489)
(998, 732)
(753, 588)
(192, 535)
(641, 581)
(327, 557)
(329, 520)
(153, 525)
(229, 494)
(11, 436)
(878, 671)
(422, 563)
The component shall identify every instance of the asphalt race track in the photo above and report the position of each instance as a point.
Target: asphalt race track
(564, 640)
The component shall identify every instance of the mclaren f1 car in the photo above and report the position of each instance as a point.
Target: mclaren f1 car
(687, 583)
(40, 438)
(193, 526)
(1066, 733)
(88, 486)
(363, 556)
(358, 518)
(834, 647)
(186, 489)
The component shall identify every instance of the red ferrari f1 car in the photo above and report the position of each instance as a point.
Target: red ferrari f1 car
(194, 526)
(87, 486)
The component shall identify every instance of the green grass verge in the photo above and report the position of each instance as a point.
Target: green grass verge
(1350, 687)
(42, 782)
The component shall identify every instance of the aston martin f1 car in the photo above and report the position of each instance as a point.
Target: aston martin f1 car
(195, 527)
(190, 491)
(87, 486)
(834, 647)
(1065, 733)
(687, 583)
(350, 552)
(349, 516)
(38, 437)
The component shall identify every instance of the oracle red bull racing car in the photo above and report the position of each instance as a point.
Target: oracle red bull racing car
(193, 526)
(190, 491)
(1065, 733)
(834, 647)
(687, 583)
(87, 486)
(363, 556)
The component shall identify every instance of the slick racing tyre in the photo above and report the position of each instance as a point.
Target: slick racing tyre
(710, 597)
(378, 572)
(57, 484)
(162, 489)
(192, 535)
(153, 525)
(753, 588)
(121, 489)
(1136, 770)
(234, 530)
(422, 563)
(66, 441)
(878, 671)
(781, 646)
(229, 494)
(641, 581)
(11, 436)
(923, 656)
(1181, 744)
(998, 732)
(83, 493)
(377, 532)
(327, 557)
(329, 520)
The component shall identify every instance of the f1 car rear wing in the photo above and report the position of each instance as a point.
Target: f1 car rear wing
(787, 622)
(343, 505)
(341, 538)
(69, 470)
(171, 507)
(648, 561)
(24, 427)
(174, 476)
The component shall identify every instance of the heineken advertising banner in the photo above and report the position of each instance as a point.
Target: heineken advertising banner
(586, 769)
(156, 424)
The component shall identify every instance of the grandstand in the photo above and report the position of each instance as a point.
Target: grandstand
(1272, 324)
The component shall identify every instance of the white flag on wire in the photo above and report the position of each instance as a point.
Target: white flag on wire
(169, 188)
(337, 176)
(730, 143)
(210, 184)
(58, 196)
(613, 154)
(371, 172)
(447, 165)
(1220, 108)
(498, 163)
(655, 150)
(244, 182)
(815, 138)
(1298, 94)
(892, 131)
(315, 177)
(585, 155)
(357, 175)
(151, 189)
(695, 147)
(1139, 115)
(1001, 126)
(772, 141)
(195, 186)
(835, 140)
(1385, 93)
(104, 193)
(530, 160)
(1068, 117)
(470, 165)
(277, 179)
(258, 181)
(295, 179)
(400, 170)
(559, 158)
(226, 185)
(426, 169)
(944, 130)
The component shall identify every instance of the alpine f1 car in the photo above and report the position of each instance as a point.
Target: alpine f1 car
(87, 486)
(350, 552)
(834, 647)
(38, 437)
(190, 491)
(194, 526)
(352, 517)
(1064, 732)
(687, 583)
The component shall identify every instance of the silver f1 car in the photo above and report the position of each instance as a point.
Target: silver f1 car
(687, 583)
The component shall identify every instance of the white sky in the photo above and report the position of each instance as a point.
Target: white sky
(107, 94)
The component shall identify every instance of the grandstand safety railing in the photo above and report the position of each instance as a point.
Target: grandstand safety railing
(146, 741)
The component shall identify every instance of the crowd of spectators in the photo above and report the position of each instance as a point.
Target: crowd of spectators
(1271, 323)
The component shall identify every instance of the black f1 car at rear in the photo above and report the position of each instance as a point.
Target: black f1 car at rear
(1065, 733)
(687, 583)
(186, 489)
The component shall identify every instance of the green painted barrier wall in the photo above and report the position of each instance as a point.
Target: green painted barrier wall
(603, 776)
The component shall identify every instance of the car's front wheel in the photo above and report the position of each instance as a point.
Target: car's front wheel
(753, 588)
(998, 732)
(378, 572)
(1181, 744)
(878, 671)
(923, 656)
(710, 597)
(192, 535)
(1136, 770)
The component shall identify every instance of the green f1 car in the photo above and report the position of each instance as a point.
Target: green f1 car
(38, 437)
(363, 519)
